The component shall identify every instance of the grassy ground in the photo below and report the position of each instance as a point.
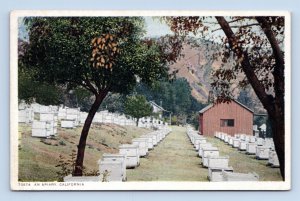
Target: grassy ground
(175, 159)
(38, 157)
(246, 163)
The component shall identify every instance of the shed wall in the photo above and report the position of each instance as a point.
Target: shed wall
(243, 119)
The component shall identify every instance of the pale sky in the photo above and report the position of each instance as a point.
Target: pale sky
(155, 28)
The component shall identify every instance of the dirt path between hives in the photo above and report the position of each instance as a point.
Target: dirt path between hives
(173, 159)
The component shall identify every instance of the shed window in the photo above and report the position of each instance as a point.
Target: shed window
(227, 122)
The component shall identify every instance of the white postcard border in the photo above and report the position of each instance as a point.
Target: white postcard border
(49, 186)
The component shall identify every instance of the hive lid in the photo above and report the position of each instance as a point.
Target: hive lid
(113, 155)
(102, 162)
(128, 146)
(219, 157)
(210, 149)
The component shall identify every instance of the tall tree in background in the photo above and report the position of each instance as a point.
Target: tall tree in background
(137, 106)
(256, 44)
(99, 54)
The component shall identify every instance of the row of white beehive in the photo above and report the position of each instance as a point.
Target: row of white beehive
(45, 125)
(262, 148)
(112, 167)
(218, 166)
(148, 122)
(26, 112)
(71, 118)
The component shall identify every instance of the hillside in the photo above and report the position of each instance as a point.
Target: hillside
(38, 157)
(196, 65)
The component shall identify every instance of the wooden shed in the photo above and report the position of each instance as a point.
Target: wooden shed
(231, 118)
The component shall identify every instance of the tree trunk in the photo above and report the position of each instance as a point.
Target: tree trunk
(137, 122)
(279, 140)
(85, 132)
(273, 105)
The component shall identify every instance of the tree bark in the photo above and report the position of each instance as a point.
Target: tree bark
(85, 131)
(278, 126)
(137, 122)
(273, 105)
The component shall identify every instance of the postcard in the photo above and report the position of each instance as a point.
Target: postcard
(150, 100)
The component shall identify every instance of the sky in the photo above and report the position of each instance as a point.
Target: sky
(154, 28)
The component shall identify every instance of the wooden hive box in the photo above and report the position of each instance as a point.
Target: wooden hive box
(207, 153)
(203, 146)
(232, 176)
(242, 145)
(251, 148)
(116, 157)
(218, 162)
(131, 152)
(113, 168)
(215, 173)
(262, 152)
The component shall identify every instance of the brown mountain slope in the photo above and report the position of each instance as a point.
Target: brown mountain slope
(196, 66)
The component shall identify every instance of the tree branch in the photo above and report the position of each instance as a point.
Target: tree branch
(90, 86)
(246, 66)
(278, 72)
(241, 26)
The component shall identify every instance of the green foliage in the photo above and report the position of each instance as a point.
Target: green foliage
(31, 90)
(176, 97)
(174, 120)
(113, 103)
(137, 107)
(60, 49)
(67, 167)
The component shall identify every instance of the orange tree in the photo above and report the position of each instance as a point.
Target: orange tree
(99, 54)
(254, 47)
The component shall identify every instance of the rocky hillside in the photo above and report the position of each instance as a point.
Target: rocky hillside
(196, 66)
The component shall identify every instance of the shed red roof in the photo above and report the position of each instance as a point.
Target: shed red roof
(211, 105)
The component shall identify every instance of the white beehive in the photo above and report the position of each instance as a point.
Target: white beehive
(251, 148)
(142, 143)
(259, 141)
(198, 141)
(207, 153)
(203, 146)
(41, 129)
(150, 141)
(218, 162)
(273, 159)
(116, 157)
(38, 132)
(67, 123)
(236, 143)
(231, 176)
(71, 178)
(252, 139)
(243, 136)
(226, 138)
(215, 174)
(242, 145)
(154, 139)
(23, 116)
(62, 113)
(83, 116)
(262, 152)
(47, 116)
(131, 152)
(113, 168)
(230, 141)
